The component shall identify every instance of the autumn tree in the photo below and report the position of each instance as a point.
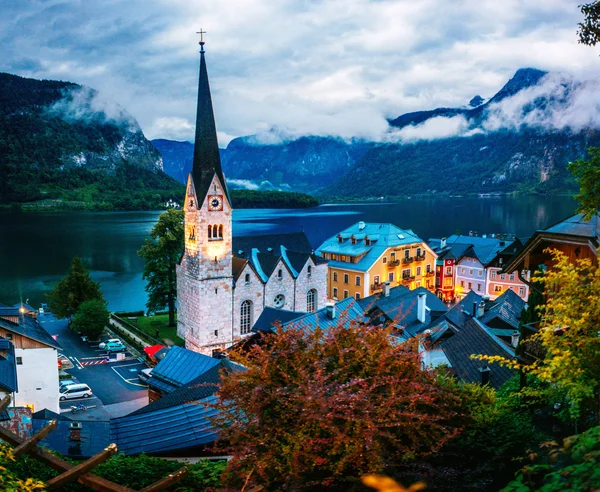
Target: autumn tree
(320, 408)
(75, 288)
(161, 253)
(587, 173)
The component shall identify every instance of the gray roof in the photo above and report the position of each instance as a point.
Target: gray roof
(506, 308)
(476, 338)
(27, 326)
(271, 316)
(577, 226)
(484, 249)
(8, 368)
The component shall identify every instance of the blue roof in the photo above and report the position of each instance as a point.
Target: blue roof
(167, 429)
(179, 367)
(381, 235)
(484, 249)
(8, 368)
(270, 316)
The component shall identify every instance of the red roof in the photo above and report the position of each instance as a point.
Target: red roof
(150, 351)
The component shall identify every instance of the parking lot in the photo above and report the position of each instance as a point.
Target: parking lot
(129, 373)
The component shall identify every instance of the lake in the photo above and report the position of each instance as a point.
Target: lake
(36, 248)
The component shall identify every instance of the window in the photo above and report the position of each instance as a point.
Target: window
(418, 251)
(406, 273)
(343, 258)
(247, 278)
(512, 277)
(478, 287)
(279, 301)
(470, 285)
(462, 283)
(384, 260)
(470, 271)
(345, 294)
(280, 274)
(353, 240)
(462, 270)
(393, 255)
(419, 271)
(220, 232)
(311, 302)
(309, 270)
(448, 282)
(8, 336)
(209, 231)
(493, 275)
(368, 242)
(503, 277)
(346, 278)
(335, 277)
(19, 361)
(334, 257)
(246, 317)
(358, 281)
(522, 291)
(357, 296)
(497, 288)
(407, 253)
(192, 234)
(340, 239)
(376, 279)
(335, 293)
(448, 270)
(428, 268)
(391, 276)
(480, 272)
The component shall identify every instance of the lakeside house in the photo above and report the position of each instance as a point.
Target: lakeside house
(364, 256)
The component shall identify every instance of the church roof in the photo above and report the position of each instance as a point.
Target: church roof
(207, 161)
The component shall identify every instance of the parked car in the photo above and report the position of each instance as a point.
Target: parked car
(144, 374)
(79, 390)
(114, 345)
(64, 383)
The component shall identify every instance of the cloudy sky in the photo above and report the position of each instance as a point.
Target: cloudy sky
(305, 67)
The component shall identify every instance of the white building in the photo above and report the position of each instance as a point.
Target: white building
(225, 282)
(36, 359)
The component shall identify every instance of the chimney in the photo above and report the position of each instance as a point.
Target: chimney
(485, 375)
(443, 243)
(361, 225)
(386, 289)
(481, 309)
(514, 339)
(421, 307)
(75, 431)
(330, 307)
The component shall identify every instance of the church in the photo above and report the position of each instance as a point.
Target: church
(225, 282)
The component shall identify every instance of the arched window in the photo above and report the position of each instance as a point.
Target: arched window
(280, 274)
(311, 301)
(309, 270)
(209, 231)
(246, 317)
(215, 232)
(247, 278)
(221, 232)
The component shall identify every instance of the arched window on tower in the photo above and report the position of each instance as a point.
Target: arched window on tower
(221, 231)
(209, 231)
(215, 232)
(246, 317)
(311, 301)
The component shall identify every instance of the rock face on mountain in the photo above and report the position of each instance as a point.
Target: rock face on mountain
(177, 157)
(56, 136)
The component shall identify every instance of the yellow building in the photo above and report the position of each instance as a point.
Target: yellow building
(365, 256)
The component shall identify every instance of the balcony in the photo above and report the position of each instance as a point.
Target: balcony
(420, 257)
(407, 259)
(429, 274)
(408, 279)
(393, 263)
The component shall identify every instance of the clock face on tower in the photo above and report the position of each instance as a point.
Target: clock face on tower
(215, 202)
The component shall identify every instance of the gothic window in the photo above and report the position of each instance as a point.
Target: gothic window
(215, 232)
(280, 274)
(246, 317)
(192, 236)
(311, 301)
(309, 270)
(209, 231)
(247, 278)
(221, 231)
(279, 301)
(191, 203)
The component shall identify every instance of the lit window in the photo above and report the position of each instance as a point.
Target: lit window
(334, 257)
(448, 282)
(497, 288)
(246, 317)
(462, 270)
(343, 258)
(311, 302)
(393, 255)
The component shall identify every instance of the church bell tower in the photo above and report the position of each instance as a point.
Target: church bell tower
(204, 275)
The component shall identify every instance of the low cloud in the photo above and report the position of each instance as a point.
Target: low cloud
(247, 184)
(435, 128)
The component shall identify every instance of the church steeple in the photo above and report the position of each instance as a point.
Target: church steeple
(207, 161)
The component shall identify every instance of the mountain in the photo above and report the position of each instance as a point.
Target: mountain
(63, 141)
(249, 164)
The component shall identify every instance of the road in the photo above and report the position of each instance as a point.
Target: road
(111, 383)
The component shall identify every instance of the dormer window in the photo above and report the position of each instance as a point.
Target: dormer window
(353, 240)
(340, 239)
(367, 241)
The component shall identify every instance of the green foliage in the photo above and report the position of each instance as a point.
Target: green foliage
(271, 199)
(589, 29)
(587, 173)
(573, 467)
(322, 408)
(160, 322)
(75, 288)
(161, 254)
(10, 481)
(91, 318)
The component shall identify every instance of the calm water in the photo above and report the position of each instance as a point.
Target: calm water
(36, 248)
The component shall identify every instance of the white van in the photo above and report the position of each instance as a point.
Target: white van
(75, 391)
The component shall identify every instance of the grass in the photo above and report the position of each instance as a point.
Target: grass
(160, 322)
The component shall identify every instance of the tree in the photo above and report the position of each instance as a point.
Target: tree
(587, 172)
(75, 288)
(161, 254)
(91, 318)
(589, 29)
(318, 408)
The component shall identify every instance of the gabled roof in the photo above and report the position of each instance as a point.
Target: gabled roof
(178, 367)
(381, 235)
(293, 241)
(271, 316)
(573, 229)
(476, 338)
(207, 160)
(449, 252)
(46, 414)
(199, 388)
(462, 311)
(27, 326)
(506, 308)
(167, 429)
(8, 367)
(484, 249)
(94, 436)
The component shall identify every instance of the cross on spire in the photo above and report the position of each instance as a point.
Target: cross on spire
(201, 43)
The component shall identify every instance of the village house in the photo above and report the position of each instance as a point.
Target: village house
(225, 282)
(363, 257)
(447, 257)
(36, 358)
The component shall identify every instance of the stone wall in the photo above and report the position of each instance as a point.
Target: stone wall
(252, 291)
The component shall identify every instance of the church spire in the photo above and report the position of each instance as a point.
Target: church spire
(207, 161)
